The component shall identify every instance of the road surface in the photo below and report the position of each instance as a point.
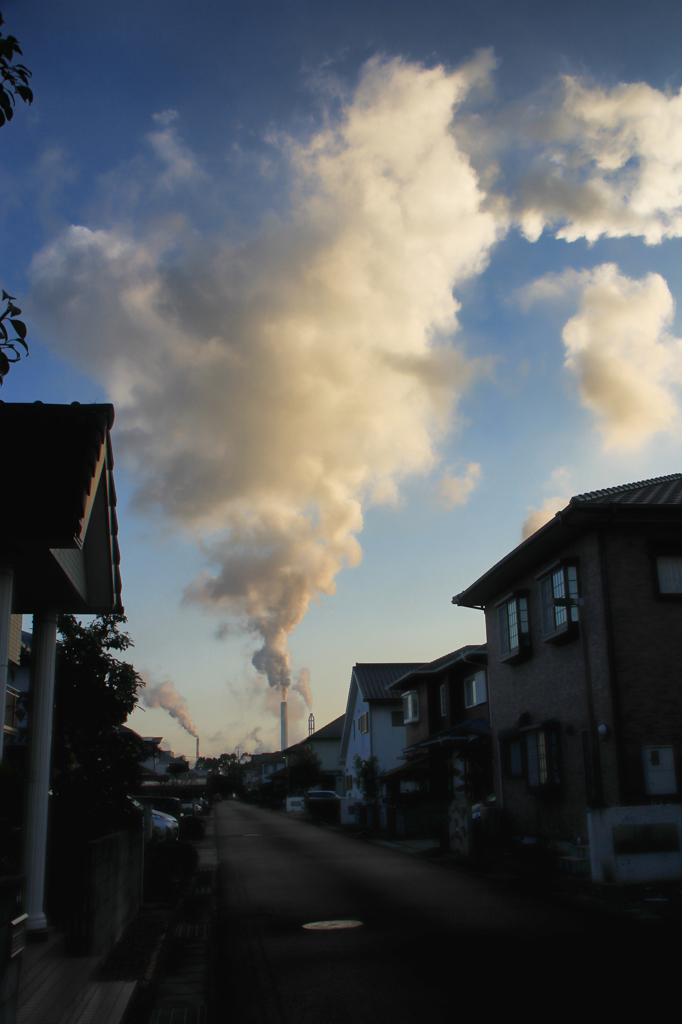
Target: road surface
(434, 944)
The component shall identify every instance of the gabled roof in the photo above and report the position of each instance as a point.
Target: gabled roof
(374, 679)
(440, 664)
(58, 526)
(658, 500)
(330, 732)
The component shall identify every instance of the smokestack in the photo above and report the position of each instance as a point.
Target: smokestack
(197, 748)
(285, 724)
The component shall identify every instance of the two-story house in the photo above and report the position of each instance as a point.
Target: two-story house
(584, 631)
(448, 752)
(326, 744)
(373, 727)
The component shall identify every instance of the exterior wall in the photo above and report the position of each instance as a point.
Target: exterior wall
(635, 844)
(384, 740)
(647, 638)
(388, 740)
(328, 753)
(551, 684)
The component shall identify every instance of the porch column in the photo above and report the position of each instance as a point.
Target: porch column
(43, 652)
(6, 584)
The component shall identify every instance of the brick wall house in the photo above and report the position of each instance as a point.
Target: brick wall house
(586, 695)
(448, 750)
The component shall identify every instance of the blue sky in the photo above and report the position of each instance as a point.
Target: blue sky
(373, 287)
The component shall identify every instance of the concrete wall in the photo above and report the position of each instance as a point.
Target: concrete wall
(106, 898)
(635, 844)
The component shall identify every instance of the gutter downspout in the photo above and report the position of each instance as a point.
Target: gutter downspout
(613, 679)
(589, 695)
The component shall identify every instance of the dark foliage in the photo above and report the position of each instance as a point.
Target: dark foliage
(168, 867)
(368, 777)
(9, 353)
(95, 758)
(13, 82)
(13, 77)
(305, 768)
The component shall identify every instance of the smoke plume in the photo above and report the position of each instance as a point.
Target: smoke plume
(268, 387)
(164, 695)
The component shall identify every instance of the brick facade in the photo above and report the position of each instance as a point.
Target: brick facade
(634, 648)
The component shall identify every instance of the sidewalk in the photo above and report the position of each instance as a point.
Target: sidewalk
(656, 902)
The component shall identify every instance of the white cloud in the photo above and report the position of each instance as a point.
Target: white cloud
(267, 388)
(456, 490)
(608, 163)
(537, 517)
(619, 348)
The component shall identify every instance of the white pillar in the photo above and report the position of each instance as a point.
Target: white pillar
(6, 582)
(43, 652)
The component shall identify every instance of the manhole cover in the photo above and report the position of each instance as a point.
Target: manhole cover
(326, 926)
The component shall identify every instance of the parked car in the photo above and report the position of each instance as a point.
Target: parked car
(165, 824)
(323, 804)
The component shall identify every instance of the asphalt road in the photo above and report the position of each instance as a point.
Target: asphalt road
(434, 942)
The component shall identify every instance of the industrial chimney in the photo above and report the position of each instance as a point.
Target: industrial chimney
(285, 723)
(197, 748)
(311, 724)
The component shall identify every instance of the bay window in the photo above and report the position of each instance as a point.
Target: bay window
(559, 622)
(411, 706)
(512, 618)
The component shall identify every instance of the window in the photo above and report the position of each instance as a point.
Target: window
(558, 621)
(397, 718)
(475, 690)
(363, 722)
(443, 700)
(348, 783)
(533, 754)
(411, 706)
(512, 616)
(669, 574)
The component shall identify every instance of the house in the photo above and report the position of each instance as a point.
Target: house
(326, 743)
(373, 726)
(58, 553)
(259, 770)
(448, 752)
(584, 631)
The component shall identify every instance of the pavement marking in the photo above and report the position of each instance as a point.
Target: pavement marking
(327, 926)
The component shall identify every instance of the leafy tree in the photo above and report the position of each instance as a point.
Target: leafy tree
(8, 344)
(368, 777)
(177, 768)
(13, 77)
(305, 767)
(96, 760)
(13, 82)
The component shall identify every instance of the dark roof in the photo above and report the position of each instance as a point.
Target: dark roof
(374, 679)
(270, 758)
(447, 661)
(660, 490)
(58, 524)
(658, 500)
(332, 731)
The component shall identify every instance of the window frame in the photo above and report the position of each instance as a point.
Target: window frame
(665, 551)
(540, 758)
(508, 654)
(476, 681)
(410, 704)
(568, 629)
(363, 720)
(443, 694)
